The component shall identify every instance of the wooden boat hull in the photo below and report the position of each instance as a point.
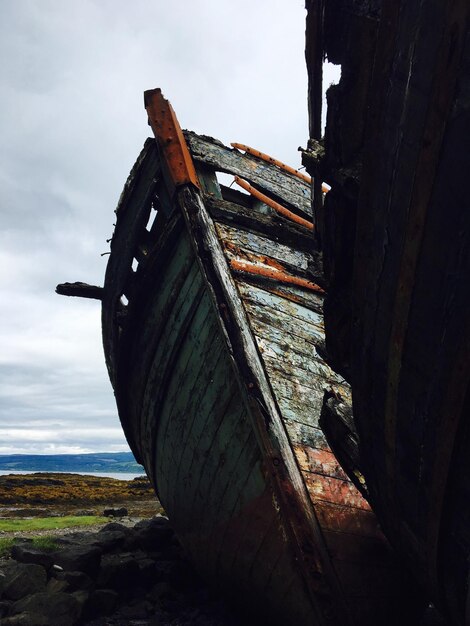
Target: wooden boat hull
(395, 236)
(220, 399)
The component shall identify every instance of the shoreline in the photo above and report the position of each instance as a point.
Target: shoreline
(58, 494)
(116, 475)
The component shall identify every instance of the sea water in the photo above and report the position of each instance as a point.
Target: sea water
(117, 475)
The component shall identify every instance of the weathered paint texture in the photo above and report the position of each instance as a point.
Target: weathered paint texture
(219, 386)
(395, 236)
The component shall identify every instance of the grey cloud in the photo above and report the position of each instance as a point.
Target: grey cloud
(72, 124)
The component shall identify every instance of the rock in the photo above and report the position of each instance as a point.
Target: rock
(160, 591)
(25, 553)
(4, 608)
(118, 571)
(136, 610)
(174, 572)
(24, 619)
(109, 540)
(77, 581)
(147, 569)
(59, 609)
(111, 526)
(101, 602)
(122, 512)
(82, 598)
(79, 558)
(55, 585)
(153, 534)
(23, 579)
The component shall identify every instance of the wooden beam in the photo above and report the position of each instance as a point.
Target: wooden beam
(80, 290)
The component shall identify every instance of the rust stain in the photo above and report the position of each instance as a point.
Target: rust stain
(270, 159)
(344, 519)
(318, 461)
(169, 136)
(252, 256)
(275, 274)
(273, 204)
(334, 490)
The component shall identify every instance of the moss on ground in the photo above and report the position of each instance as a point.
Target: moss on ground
(49, 523)
(47, 544)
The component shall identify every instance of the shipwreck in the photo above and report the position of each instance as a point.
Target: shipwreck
(212, 317)
(395, 238)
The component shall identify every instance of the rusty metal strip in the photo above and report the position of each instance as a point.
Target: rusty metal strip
(273, 161)
(276, 274)
(178, 165)
(287, 168)
(273, 204)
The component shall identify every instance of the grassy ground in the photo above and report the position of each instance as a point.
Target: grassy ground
(49, 523)
(42, 543)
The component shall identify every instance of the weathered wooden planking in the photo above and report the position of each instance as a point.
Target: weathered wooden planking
(274, 181)
(299, 393)
(300, 367)
(216, 437)
(230, 439)
(293, 594)
(159, 373)
(305, 297)
(244, 460)
(293, 337)
(194, 386)
(195, 412)
(303, 405)
(266, 560)
(288, 484)
(227, 472)
(285, 308)
(305, 433)
(359, 549)
(196, 419)
(133, 210)
(345, 519)
(409, 359)
(316, 461)
(334, 490)
(234, 238)
(298, 384)
(183, 290)
(254, 502)
(271, 224)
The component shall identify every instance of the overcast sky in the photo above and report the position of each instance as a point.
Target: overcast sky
(72, 77)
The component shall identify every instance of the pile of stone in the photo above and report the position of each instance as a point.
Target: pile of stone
(118, 575)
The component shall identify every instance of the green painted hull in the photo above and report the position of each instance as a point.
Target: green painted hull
(220, 400)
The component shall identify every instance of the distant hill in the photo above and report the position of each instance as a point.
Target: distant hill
(94, 462)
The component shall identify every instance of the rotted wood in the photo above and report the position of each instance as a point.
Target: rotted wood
(133, 212)
(277, 183)
(314, 56)
(403, 340)
(80, 290)
(289, 486)
(277, 206)
(274, 226)
(337, 423)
